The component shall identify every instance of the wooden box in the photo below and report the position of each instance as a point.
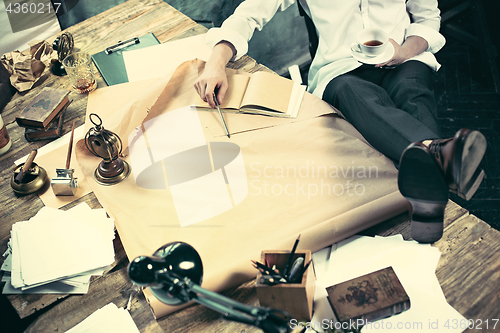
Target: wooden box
(295, 298)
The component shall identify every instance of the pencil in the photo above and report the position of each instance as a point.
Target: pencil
(221, 117)
(290, 257)
(264, 267)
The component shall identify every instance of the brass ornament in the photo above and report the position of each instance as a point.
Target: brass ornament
(108, 146)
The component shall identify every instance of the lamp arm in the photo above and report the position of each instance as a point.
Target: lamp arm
(269, 320)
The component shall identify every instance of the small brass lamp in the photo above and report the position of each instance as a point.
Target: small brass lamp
(108, 146)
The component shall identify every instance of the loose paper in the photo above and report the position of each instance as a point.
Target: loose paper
(107, 319)
(159, 60)
(414, 264)
(76, 244)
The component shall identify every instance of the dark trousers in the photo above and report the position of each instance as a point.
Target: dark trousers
(391, 108)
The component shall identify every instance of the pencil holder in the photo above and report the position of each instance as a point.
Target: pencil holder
(295, 298)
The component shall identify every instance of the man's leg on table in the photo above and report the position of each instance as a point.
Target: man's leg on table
(395, 110)
(370, 108)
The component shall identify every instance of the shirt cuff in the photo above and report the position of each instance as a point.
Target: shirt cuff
(434, 39)
(216, 35)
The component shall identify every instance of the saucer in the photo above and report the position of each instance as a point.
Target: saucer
(381, 58)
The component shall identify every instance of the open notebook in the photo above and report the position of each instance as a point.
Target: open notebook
(260, 93)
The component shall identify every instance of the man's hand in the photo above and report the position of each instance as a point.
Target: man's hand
(411, 47)
(214, 79)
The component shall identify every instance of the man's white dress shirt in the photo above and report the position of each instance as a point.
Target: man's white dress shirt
(337, 23)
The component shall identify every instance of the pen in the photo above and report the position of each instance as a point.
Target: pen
(264, 267)
(221, 117)
(298, 276)
(122, 45)
(290, 258)
(268, 280)
(271, 280)
(70, 146)
(297, 264)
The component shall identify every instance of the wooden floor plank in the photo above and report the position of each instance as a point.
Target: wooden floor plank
(469, 268)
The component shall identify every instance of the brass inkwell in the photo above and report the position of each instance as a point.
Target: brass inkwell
(108, 146)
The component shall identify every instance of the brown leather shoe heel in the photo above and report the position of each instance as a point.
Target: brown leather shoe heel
(422, 183)
(459, 159)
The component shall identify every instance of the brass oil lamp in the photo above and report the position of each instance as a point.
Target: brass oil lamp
(108, 146)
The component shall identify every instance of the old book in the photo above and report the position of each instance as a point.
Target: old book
(260, 93)
(43, 108)
(369, 297)
(53, 131)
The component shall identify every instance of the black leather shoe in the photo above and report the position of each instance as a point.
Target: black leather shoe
(421, 182)
(459, 158)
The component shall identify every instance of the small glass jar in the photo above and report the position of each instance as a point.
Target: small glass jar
(5, 142)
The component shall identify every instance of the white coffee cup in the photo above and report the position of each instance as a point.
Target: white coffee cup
(370, 42)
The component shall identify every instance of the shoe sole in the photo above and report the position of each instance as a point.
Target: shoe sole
(422, 183)
(473, 148)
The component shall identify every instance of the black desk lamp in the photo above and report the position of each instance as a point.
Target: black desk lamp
(174, 274)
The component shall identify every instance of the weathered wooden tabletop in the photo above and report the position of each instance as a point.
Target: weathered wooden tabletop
(468, 269)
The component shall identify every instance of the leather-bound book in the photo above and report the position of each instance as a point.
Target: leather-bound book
(39, 113)
(369, 297)
(52, 132)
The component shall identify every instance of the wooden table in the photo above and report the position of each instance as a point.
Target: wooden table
(468, 269)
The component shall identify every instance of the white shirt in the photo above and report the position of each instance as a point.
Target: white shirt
(337, 23)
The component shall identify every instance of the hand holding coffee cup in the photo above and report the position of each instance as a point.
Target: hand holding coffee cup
(370, 42)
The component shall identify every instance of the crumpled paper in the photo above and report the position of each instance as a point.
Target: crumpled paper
(27, 67)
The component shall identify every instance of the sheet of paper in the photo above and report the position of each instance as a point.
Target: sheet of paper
(109, 318)
(80, 247)
(159, 60)
(415, 266)
(50, 288)
(76, 243)
(62, 141)
(320, 260)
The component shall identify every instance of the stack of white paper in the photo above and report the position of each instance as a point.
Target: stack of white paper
(58, 251)
(107, 319)
(414, 264)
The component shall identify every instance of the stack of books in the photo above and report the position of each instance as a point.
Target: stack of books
(43, 117)
(58, 251)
